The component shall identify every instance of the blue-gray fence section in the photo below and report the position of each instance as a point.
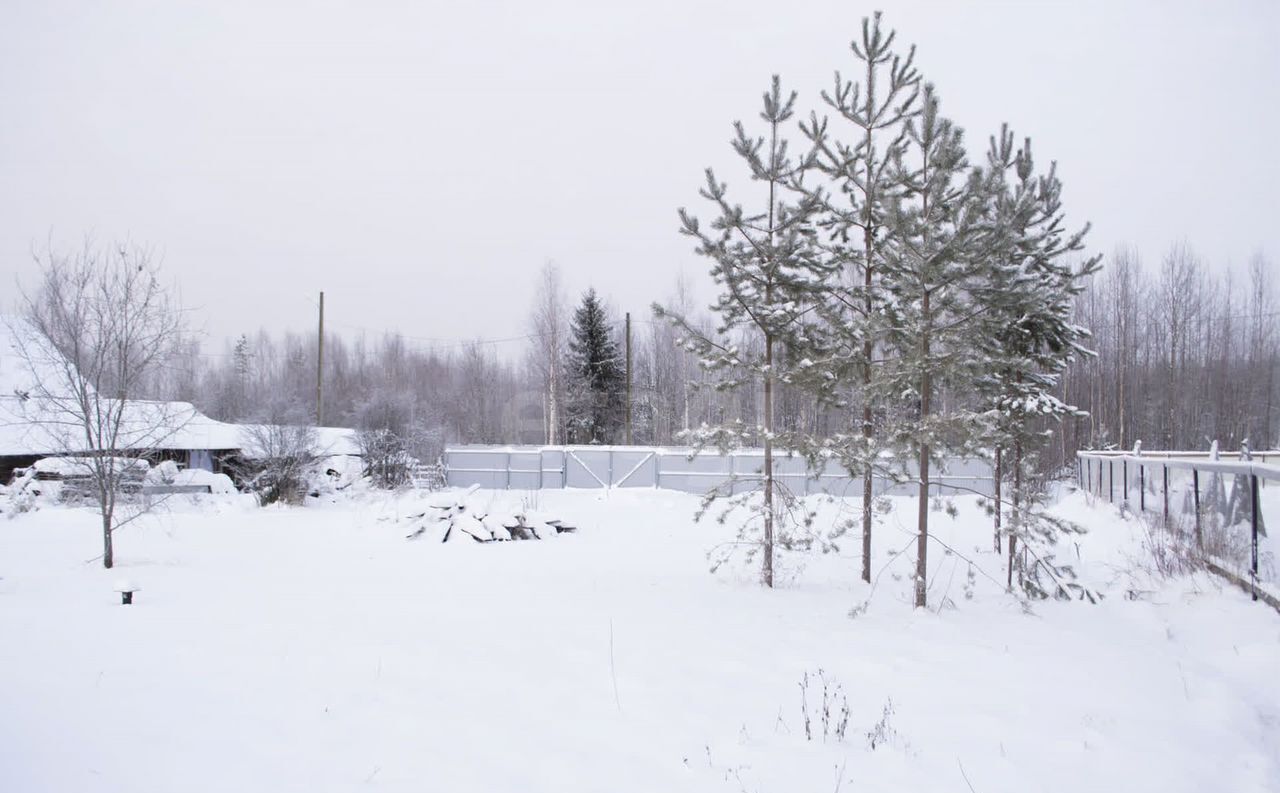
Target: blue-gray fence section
(676, 468)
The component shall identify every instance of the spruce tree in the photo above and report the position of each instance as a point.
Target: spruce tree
(596, 374)
(241, 356)
(770, 272)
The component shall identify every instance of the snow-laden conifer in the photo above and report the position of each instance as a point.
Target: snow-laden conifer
(937, 233)
(770, 271)
(1026, 300)
(856, 154)
(596, 374)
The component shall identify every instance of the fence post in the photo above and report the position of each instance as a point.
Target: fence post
(1164, 469)
(1080, 472)
(610, 468)
(1124, 465)
(1088, 478)
(1111, 481)
(1253, 515)
(1099, 477)
(509, 455)
(1195, 489)
(1142, 488)
(564, 468)
(657, 469)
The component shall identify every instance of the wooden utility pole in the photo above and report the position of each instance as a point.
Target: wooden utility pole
(628, 378)
(320, 368)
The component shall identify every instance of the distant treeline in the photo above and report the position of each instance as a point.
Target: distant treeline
(1185, 354)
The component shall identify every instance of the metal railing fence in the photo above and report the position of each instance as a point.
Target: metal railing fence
(1215, 507)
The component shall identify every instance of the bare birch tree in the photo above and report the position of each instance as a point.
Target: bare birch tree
(548, 319)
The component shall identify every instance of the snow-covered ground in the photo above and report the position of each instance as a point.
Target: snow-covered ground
(316, 649)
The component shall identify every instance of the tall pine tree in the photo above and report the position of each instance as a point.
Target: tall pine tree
(876, 106)
(1030, 339)
(937, 233)
(770, 272)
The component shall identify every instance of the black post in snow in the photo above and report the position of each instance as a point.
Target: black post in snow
(1164, 469)
(1253, 488)
(1195, 490)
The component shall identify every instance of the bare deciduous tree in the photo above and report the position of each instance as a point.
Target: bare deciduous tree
(1186, 354)
(98, 328)
(548, 319)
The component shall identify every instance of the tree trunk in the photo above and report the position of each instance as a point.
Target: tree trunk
(922, 538)
(767, 572)
(868, 347)
(108, 553)
(1015, 500)
(999, 504)
(867, 473)
(553, 404)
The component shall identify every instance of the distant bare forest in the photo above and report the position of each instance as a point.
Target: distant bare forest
(1185, 354)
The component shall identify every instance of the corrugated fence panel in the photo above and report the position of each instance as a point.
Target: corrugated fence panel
(526, 471)
(534, 467)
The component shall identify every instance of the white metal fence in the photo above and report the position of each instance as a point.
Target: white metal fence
(675, 468)
(1216, 508)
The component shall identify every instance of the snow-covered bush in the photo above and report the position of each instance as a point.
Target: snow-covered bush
(387, 461)
(384, 420)
(276, 467)
(24, 493)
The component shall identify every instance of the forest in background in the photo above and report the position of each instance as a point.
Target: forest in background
(1186, 354)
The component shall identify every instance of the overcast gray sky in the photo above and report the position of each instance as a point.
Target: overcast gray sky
(419, 161)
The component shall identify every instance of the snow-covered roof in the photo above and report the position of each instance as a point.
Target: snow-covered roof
(16, 371)
(329, 441)
(34, 425)
(336, 441)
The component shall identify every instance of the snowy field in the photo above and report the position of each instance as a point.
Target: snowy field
(316, 649)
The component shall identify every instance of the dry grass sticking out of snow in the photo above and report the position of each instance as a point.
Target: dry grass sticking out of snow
(316, 649)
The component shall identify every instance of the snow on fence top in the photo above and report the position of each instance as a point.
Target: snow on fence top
(1191, 461)
(676, 468)
(1213, 507)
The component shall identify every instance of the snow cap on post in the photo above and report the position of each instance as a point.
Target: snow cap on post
(126, 588)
